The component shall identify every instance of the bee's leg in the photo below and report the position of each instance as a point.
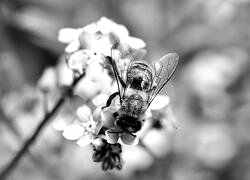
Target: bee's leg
(111, 97)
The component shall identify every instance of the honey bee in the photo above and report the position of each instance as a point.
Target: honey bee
(138, 84)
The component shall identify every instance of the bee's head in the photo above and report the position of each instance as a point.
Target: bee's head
(129, 124)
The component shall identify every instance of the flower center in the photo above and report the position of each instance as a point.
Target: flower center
(90, 126)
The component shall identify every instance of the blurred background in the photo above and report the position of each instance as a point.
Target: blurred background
(209, 92)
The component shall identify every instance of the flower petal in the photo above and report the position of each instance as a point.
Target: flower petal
(66, 35)
(94, 71)
(62, 122)
(73, 132)
(86, 39)
(65, 75)
(100, 100)
(99, 125)
(98, 42)
(91, 28)
(104, 43)
(138, 53)
(96, 114)
(113, 38)
(78, 61)
(60, 125)
(112, 136)
(72, 46)
(106, 25)
(87, 89)
(105, 83)
(135, 42)
(108, 119)
(85, 140)
(83, 113)
(129, 139)
(160, 102)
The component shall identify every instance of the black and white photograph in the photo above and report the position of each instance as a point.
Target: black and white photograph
(124, 89)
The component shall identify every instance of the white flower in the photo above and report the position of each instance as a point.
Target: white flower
(103, 34)
(85, 129)
(106, 26)
(77, 61)
(98, 36)
(98, 42)
(155, 134)
(160, 114)
(70, 36)
(100, 100)
(81, 60)
(65, 76)
(95, 82)
(160, 102)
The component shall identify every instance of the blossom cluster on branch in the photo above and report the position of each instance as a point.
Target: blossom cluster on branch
(88, 50)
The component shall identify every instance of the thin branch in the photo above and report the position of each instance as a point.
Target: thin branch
(25, 147)
(16, 133)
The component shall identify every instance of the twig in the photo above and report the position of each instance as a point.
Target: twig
(24, 148)
(16, 133)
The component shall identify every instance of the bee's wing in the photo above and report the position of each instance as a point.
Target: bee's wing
(164, 70)
(120, 61)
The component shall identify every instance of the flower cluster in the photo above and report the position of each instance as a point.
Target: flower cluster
(85, 128)
(88, 53)
(107, 154)
(98, 36)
